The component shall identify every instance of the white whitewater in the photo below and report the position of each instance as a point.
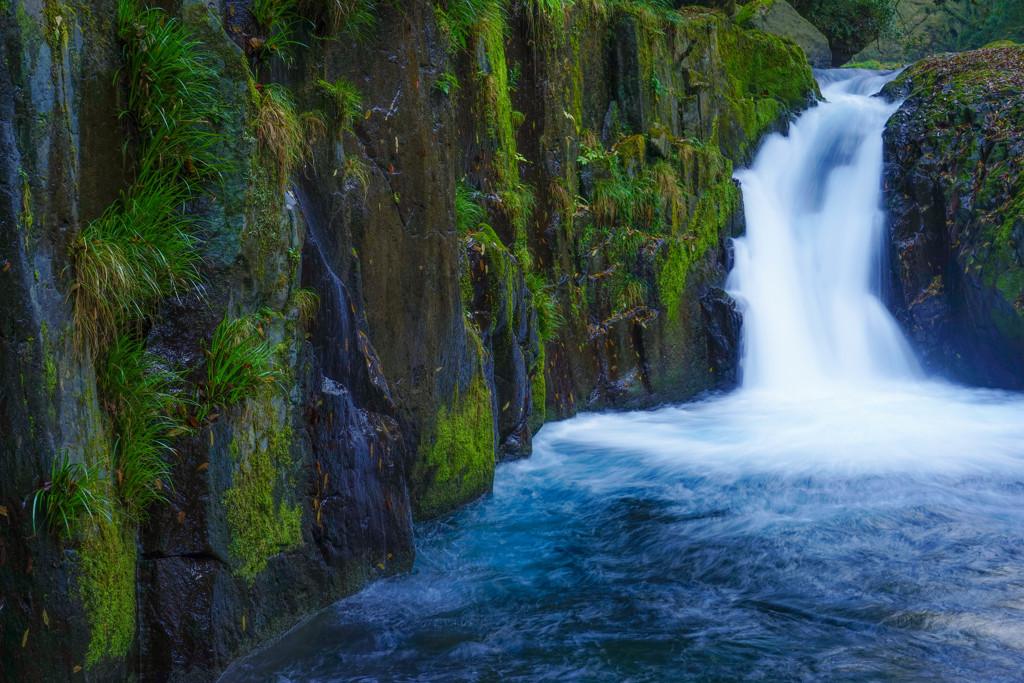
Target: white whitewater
(829, 383)
(807, 272)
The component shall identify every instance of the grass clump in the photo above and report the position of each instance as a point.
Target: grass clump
(279, 128)
(73, 493)
(469, 213)
(274, 24)
(240, 363)
(346, 99)
(141, 398)
(140, 250)
(549, 314)
(354, 19)
(307, 302)
(456, 19)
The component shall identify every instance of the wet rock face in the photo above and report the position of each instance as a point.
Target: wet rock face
(434, 352)
(953, 180)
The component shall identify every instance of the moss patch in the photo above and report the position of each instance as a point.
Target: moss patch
(456, 464)
(107, 585)
(262, 522)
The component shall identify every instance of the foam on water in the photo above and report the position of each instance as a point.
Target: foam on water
(839, 517)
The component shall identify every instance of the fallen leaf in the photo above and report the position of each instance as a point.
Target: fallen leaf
(243, 623)
(202, 468)
(46, 619)
(3, 510)
(181, 516)
(76, 669)
(28, 569)
(24, 638)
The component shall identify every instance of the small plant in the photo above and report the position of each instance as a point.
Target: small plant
(278, 128)
(140, 250)
(276, 22)
(142, 399)
(73, 491)
(447, 83)
(346, 99)
(549, 315)
(469, 214)
(356, 169)
(170, 92)
(354, 19)
(308, 303)
(456, 19)
(240, 363)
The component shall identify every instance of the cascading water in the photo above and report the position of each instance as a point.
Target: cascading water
(807, 272)
(837, 517)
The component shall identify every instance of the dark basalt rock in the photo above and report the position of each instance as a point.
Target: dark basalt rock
(953, 182)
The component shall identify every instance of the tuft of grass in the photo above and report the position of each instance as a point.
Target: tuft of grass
(356, 169)
(346, 99)
(140, 250)
(308, 303)
(141, 398)
(240, 362)
(469, 213)
(354, 19)
(73, 492)
(278, 128)
(549, 313)
(275, 22)
(171, 97)
(456, 19)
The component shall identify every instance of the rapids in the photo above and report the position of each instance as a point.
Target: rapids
(839, 516)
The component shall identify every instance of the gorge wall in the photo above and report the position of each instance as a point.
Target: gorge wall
(278, 280)
(954, 182)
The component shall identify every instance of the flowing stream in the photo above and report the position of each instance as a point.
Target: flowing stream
(839, 516)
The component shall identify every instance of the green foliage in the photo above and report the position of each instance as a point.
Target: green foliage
(549, 314)
(447, 83)
(170, 94)
(469, 212)
(141, 398)
(456, 19)
(355, 19)
(240, 363)
(279, 129)
(346, 99)
(73, 492)
(308, 304)
(140, 250)
(275, 22)
(849, 25)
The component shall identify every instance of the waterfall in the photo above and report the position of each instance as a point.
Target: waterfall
(808, 272)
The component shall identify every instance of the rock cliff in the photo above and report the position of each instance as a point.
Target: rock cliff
(954, 182)
(279, 278)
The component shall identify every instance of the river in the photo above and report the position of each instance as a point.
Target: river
(839, 516)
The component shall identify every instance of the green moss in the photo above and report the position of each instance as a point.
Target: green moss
(538, 388)
(717, 201)
(107, 585)
(455, 464)
(262, 523)
(1011, 285)
(751, 10)
(769, 75)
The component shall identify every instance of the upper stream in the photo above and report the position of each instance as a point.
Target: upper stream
(839, 516)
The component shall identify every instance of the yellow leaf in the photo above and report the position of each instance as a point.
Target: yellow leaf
(24, 638)
(76, 669)
(3, 510)
(46, 619)
(243, 623)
